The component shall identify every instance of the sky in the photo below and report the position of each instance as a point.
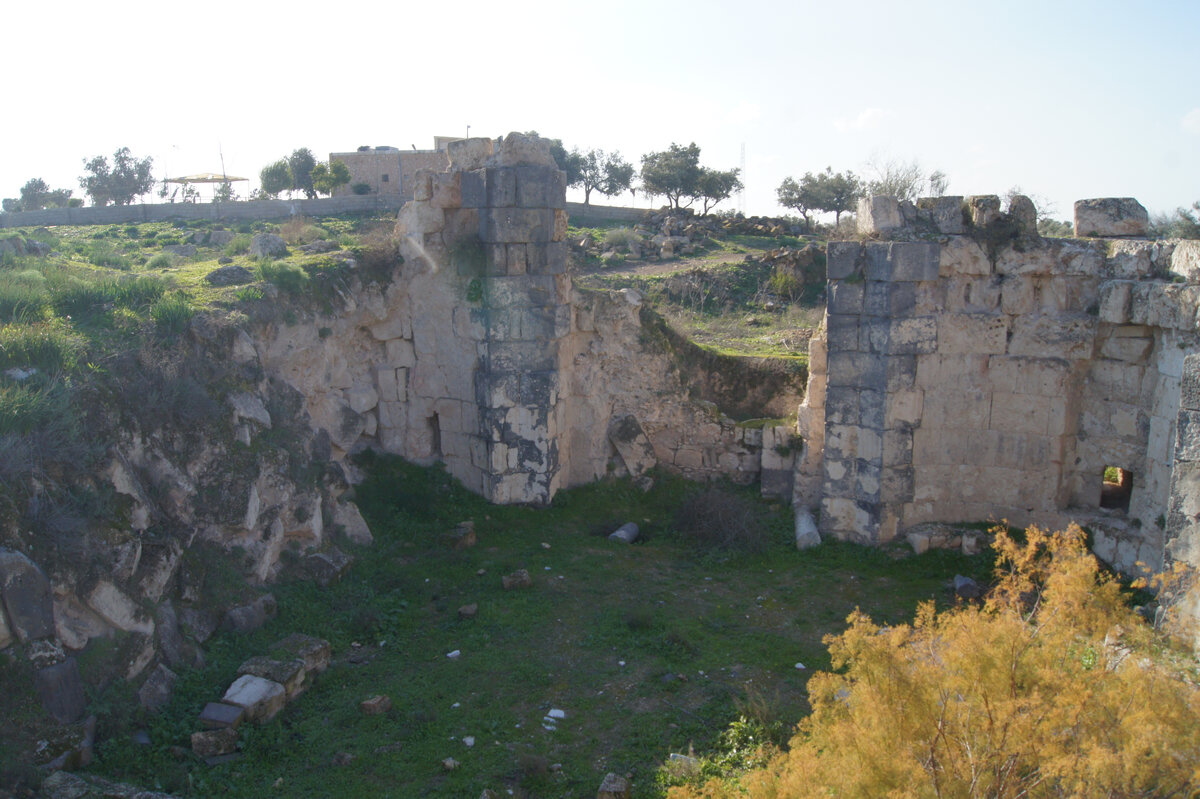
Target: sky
(1065, 100)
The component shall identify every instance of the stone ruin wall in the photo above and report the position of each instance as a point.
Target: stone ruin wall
(483, 356)
(973, 376)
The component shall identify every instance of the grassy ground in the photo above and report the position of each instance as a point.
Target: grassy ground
(649, 649)
(716, 298)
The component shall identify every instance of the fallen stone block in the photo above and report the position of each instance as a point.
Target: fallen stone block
(328, 567)
(60, 688)
(468, 611)
(463, 536)
(261, 699)
(156, 691)
(376, 705)
(806, 530)
(27, 597)
(314, 652)
(518, 579)
(632, 445)
(614, 787)
(291, 674)
(211, 743)
(626, 533)
(218, 715)
(69, 747)
(248, 618)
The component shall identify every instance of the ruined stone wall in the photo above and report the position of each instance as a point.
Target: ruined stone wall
(481, 355)
(978, 372)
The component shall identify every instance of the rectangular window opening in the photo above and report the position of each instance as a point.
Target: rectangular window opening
(385, 178)
(1117, 488)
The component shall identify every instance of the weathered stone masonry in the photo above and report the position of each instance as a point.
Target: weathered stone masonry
(972, 376)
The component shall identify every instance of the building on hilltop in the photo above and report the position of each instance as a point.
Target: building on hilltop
(390, 170)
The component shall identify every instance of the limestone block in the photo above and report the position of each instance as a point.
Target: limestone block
(398, 324)
(315, 653)
(973, 294)
(548, 258)
(27, 597)
(1018, 295)
(1165, 305)
(905, 407)
(156, 691)
(347, 516)
(856, 369)
(844, 260)
(1053, 336)
(963, 256)
(537, 186)
(889, 299)
(900, 372)
(1123, 345)
(249, 406)
(841, 405)
(914, 260)
(1020, 413)
(1110, 217)
(913, 336)
(361, 398)
(952, 370)
(971, 333)
(806, 532)
(1189, 390)
(984, 209)
(1185, 260)
(842, 331)
(1028, 262)
(897, 448)
(422, 185)
(897, 485)
(60, 689)
(501, 187)
(418, 219)
(845, 297)
(1129, 260)
(519, 149)
(1045, 377)
(469, 154)
(446, 190)
(157, 568)
(945, 213)
(878, 215)
(261, 699)
(291, 674)
(243, 350)
(115, 606)
(1024, 214)
(1116, 301)
(962, 409)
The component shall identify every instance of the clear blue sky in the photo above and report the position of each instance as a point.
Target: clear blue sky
(1065, 99)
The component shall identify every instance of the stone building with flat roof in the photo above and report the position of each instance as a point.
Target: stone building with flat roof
(390, 170)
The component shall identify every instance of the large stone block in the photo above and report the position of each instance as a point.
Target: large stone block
(1111, 217)
(983, 334)
(469, 154)
(514, 225)
(261, 699)
(60, 689)
(27, 597)
(1189, 390)
(878, 215)
(966, 294)
(537, 187)
(913, 336)
(118, 609)
(856, 369)
(885, 298)
(845, 297)
(963, 256)
(844, 260)
(473, 189)
(945, 214)
(914, 260)
(1185, 260)
(1053, 336)
(501, 187)
(1116, 301)
(446, 190)
(842, 331)
(841, 405)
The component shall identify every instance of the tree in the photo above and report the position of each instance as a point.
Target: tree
(276, 178)
(36, 194)
(800, 197)
(715, 185)
(673, 173)
(328, 177)
(1182, 224)
(300, 165)
(224, 193)
(607, 173)
(904, 180)
(569, 162)
(127, 179)
(1052, 687)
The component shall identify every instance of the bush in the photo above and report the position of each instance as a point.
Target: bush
(621, 237)
(172, 314)
(239, 245)
(102, 253)
(161, 261)
(1052, 687)
(23, 296)
(719, 519)
(287, 276)
(785, 284)
(82, 299)
(361, 188)
(43, 347)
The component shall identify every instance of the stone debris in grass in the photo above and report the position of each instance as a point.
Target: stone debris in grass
(376, 705)
(468, 611)
(518, 579)
(468, 740)
(260, 698)
(449, 764)
(545, 545)
(614, 787)
(800, 666)
(626, 533)
(455, 655)
(555, 713)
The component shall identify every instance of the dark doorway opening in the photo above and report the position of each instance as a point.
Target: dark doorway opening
(1117, 488)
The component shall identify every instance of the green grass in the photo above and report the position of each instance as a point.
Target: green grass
(649, 649)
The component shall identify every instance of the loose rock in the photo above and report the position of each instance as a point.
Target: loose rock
(518, 579)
